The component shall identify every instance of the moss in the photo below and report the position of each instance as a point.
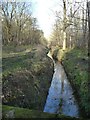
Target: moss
(27, 113)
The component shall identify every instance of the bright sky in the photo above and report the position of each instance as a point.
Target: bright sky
(43, 11)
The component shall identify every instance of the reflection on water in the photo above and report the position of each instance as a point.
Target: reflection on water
(60, 98)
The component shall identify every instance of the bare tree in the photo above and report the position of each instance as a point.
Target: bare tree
(8, 16)
(74, 24)
(18, 25)
(88, 7)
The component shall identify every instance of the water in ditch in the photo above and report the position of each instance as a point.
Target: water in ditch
(60, 98)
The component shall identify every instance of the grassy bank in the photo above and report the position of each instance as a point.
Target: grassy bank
(26, 76)
(16, 112)
(75, 62)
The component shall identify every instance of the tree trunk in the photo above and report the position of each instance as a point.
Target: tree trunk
(64, 25)
(88, 7)
(64, 41)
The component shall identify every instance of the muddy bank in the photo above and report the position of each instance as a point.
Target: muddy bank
(26, 78)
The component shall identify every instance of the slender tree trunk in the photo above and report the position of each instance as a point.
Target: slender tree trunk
(85, 27)
(70, 41)
(71, 21)
(88, 7)
(64, 41)
(64, 25)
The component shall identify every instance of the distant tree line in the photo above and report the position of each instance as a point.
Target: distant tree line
(18, 25)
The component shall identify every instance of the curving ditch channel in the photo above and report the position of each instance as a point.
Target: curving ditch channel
(60, 98)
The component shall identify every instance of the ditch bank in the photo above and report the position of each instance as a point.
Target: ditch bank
(26, 78)
(75, 63)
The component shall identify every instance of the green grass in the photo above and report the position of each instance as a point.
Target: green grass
(27, 113)
(75, 62)
(10, 51)
(27, 74)
(26, 77)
